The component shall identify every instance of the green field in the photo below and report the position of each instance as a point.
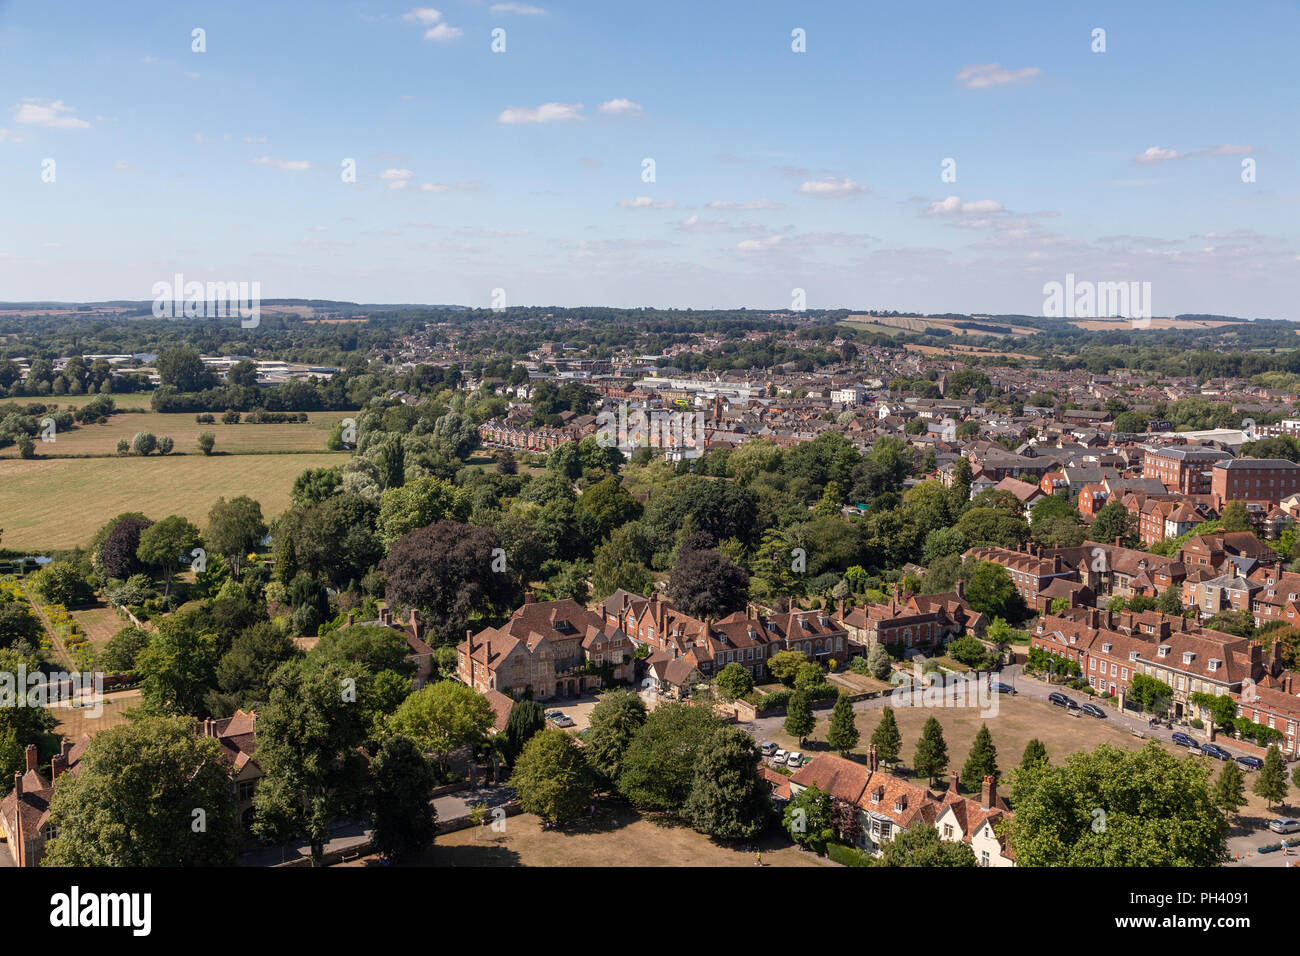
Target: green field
(61, 502)
(238, 439)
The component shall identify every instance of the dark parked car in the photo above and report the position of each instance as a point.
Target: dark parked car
(1002, 688)
(1183, 740)
(1250, 763)
(1060, 700)
(1092, 710)
(1215, 751)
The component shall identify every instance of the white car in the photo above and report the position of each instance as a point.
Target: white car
(1284, 825)
(794, 760)
(779, 756)
(768, 748)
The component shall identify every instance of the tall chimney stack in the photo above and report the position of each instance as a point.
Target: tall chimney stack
(989, 793)
(953, 783)
(18, 783)
(32, 756)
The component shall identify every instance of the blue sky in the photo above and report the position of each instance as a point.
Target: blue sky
(774, 170)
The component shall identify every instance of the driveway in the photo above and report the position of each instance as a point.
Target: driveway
(453, 806)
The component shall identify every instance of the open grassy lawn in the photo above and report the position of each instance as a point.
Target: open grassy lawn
(74, 722)
(99, 623)
(184, 431)
(1019, 720)
(618, 837)
(123, 400)
(61, 502)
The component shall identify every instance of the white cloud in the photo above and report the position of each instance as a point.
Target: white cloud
(954, 206)
(619, 107)
(434, 187)
(431, 18)
(1229, 150)
(645, 202)
(749, 204)
(751, 245)
(831, 188)
(443, 32)
(200, 137)
(287, 165)
(523, 9)
(57, 115)
(425, 15)
(1155, 154)
(542, 114)
(992, 74)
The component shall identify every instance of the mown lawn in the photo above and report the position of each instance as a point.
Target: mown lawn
(184, 431)
(61, 502)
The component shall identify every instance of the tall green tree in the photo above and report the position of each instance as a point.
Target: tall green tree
(149, 793)
(1270, 782)
(402, 808)
(309, 736)
(444, 716)
(799, 720)
(526, 719)
(982, 761)
(235, 529)
(1229, 792)
(1034, 752)
(1112, 807)
(164, 544)
(552, 777)
(614, 721)
(843, 733)
(728, 798)
(931, 758)
(658, 766)
(807, 819)
(887, 738)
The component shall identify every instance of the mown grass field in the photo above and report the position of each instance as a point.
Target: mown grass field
(238, 439)
(61, 502)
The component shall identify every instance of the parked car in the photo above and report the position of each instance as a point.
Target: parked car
(1284, 825)
(1002, 688)
(1250, 763)
(779, 756)
(1215, 751)
(560, 720)
(1183, 740)
(767, 747)
(1060, 700)
(794, 760)
(1092, 710)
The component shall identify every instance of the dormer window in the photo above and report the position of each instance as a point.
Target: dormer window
(824, 621)
(900, 804)
(1105, 648)
(1164, 650)
(1214, 663)
(1133, 655)
(1074, 638)
(1188, 656)
(878, 794)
